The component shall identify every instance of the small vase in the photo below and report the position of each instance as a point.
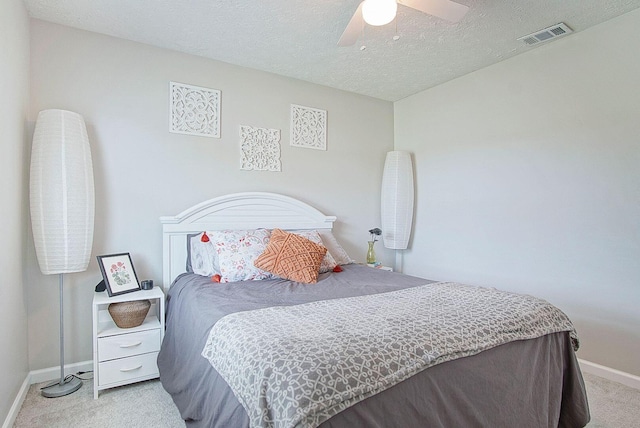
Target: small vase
(371, 253)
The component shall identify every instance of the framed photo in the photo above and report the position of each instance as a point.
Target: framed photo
(118, 273)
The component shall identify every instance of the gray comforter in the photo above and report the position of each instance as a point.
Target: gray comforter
(463, 392)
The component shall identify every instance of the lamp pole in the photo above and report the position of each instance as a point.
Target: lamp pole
(63, 386)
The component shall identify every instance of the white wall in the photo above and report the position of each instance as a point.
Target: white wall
(528, 179)
(14, 73)
(143, 172)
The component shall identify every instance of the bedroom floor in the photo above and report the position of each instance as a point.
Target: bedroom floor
(146, 404)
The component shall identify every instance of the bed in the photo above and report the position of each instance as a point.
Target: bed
(360, 347)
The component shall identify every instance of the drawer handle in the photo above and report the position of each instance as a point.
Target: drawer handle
(131, 345)
(131, 369)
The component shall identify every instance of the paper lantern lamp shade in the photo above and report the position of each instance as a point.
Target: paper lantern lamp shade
(61, 192)
(397, 200)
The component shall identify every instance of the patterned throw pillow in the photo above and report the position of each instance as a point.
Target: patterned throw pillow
(328, 262)
(237, 250)
(291, 256)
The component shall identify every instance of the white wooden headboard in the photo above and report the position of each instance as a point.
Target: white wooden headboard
(249, 210)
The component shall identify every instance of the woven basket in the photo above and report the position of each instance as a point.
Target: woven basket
(129, 314)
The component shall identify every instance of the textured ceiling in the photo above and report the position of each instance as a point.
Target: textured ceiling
(297, 38)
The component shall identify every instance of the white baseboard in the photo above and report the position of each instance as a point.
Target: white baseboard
(37, 376)
(53, 373)
(17, 404)
(624, 378)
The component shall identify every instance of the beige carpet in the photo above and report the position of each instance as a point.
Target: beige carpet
(146, 404)
(611, 404)
(140, 405)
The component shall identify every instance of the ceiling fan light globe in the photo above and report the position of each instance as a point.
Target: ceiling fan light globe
(379, 12)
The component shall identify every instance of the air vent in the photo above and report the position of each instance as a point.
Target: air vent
(547, 34)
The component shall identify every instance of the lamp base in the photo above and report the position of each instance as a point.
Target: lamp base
(61, 389)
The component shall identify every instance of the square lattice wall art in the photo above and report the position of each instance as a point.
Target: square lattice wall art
(308, 127)
(194, 110)
(259, 149)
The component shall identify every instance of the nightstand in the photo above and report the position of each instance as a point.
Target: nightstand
(126, 355)
(381, 267)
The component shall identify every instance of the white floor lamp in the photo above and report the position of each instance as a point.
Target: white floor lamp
(397, 200)
(61, 197)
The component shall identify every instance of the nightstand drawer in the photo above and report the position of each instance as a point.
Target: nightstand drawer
(129, 344)
(129, 368)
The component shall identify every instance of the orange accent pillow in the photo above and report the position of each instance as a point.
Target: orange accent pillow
(291, 256)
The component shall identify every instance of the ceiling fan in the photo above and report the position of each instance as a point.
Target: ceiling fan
(381, 12)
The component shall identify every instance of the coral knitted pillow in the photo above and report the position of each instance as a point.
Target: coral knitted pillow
(291, 256)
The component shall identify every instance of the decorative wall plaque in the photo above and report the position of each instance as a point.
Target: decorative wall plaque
(260, 149)
(308, 127)
(194, 110)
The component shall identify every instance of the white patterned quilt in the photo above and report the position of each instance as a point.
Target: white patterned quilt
(297, 366)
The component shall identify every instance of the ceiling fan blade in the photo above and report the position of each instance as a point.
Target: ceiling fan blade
(444, 9)
(354, 28)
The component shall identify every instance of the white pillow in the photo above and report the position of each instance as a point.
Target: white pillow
(328, 262)
(204, 259)
(339, 254)
(237, 250)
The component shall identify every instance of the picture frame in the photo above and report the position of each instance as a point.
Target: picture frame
(118, 273)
